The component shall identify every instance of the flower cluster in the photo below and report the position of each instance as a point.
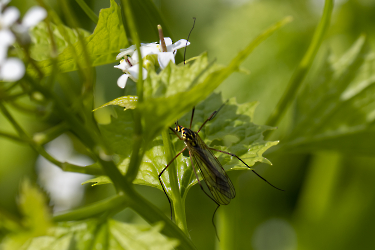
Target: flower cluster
(13, 69)
(151, 53)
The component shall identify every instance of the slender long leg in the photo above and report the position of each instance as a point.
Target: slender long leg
(212, 116)
(218, 205)
(161, 183)
(246, 166)
(192, 116)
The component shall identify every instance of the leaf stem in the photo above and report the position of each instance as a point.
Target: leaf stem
(44, 137)
(12, 137)
(89, 12)
(92, 209)
(136, 157)
(177, 202)
(229, 218)
(302, 69)
(92, 169)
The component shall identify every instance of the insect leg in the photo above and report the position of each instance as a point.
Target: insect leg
(218, 205)
(212, 116)
(246, 166)
(161, 183)
(192, 116)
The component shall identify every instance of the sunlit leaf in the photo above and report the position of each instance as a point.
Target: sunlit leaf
(102, 46)
(108, 234)
(127, 102)
(41, 43)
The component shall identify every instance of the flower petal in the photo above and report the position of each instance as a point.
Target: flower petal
(4, 2)
(128, 51)
(6, 38)
(134, 71)
(124, 65)
(12, 70)
(10, 16)
(164, 58)
(33, 16)
(145, 50)
(121, 81)
(168, 43)
(180, 44)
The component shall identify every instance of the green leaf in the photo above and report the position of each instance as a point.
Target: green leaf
(41, 43)
(232, 130)
(36, 217)
(96, 234)
(336, 110)
(103, 45)
(127, 102)
(119, 133)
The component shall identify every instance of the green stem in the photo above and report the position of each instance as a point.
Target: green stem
(91, 14)
(86, 67)
(91, 210)
(138, 138)
(92, 169)
(128, 13)
(229, 217)
(44, 137)
(302, 69)
(153, 215)
(178, 203)
(12, 137)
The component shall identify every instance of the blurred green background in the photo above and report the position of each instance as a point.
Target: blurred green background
(330, 195)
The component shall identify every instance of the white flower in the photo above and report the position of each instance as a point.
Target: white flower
(13, 69)
(129, 65)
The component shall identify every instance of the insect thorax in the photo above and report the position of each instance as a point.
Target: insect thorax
(187, 135)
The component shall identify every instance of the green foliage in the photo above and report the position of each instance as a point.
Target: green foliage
(342, 87)
(333, 110)
(96, 234)
(36, 217)
(127, 102)
(39, 233)
(102, 46)
(41, 48)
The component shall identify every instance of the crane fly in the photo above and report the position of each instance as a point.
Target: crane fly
(220, 186)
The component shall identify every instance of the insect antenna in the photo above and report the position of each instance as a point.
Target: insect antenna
(187, 40)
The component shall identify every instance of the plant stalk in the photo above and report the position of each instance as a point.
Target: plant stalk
(177, 202)
(302, 69)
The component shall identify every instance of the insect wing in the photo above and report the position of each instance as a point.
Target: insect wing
(213, 173)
